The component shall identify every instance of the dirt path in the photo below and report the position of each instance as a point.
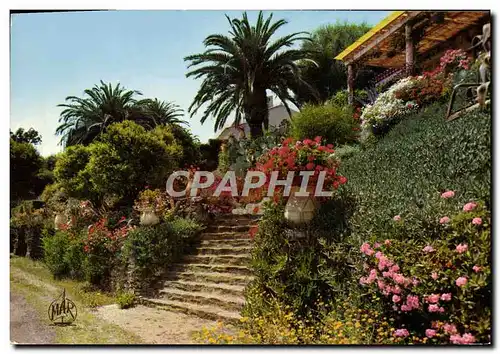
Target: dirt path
(25, 324)
(154, 326)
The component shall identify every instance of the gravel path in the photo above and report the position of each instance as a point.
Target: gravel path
(25, 324)
(154, 326)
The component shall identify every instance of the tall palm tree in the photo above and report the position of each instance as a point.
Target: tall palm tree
(328, 75)
(83, 119)
(238, 69)
(161, 112)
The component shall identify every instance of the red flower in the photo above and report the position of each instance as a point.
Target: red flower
(253, 231)
(310, 166)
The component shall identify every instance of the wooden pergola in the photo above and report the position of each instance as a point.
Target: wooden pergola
(406, 36)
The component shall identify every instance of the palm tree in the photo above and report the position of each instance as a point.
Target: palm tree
(328, 75)
(83, 119)
(238, 70)
(161, 112)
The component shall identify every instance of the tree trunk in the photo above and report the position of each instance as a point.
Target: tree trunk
(257, 113)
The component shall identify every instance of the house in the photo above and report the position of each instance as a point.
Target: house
(277, 116)
(408, 42)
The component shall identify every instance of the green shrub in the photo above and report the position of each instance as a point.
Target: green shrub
(149, 250)
(25, 163)
(125, 300)
(346, 151)
(421, 157)
(335, 124)
(27, 222)
(63, 254)
(299, 271)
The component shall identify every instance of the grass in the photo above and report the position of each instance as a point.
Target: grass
(33, 281)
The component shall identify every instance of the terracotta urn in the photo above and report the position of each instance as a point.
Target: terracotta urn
(59, 220)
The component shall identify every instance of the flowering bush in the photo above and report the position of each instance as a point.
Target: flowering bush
(305, 155)
(100, 246)
(387, 107)
(152, 200)
(438, 288)
(454, 59)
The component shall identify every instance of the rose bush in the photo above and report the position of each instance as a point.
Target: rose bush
(439, 288)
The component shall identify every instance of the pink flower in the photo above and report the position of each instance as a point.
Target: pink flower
(467, 338)
(381, 284)
(428, 249)
(396, 218)
(366, 249)
(450, 328)
(477, 221)
(434, 275)
(412, 301)
(446, 297)
(395, 268)
(398, 278)
(461, 281)
(444, 220)
(378, 255)
(396, 298)
(405, 308)
(448, 194)
(469, 206)
(396, 290)
(477, 268)
(401, 333)
(376, 245)
(415, 282)
(433, 299)
(433, 308)
(430, 333)
(461, 248)
(387, 242)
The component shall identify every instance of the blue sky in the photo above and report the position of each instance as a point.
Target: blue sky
(54, 55)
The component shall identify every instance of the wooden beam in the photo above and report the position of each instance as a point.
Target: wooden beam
(350, 84)
(378, 39)
(410, 50)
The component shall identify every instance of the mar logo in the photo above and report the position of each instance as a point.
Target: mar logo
(62, 311)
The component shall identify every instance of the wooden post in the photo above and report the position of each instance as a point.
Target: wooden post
(410, 50)
(350, 84)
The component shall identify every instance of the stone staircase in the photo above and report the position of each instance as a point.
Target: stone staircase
(210, 283)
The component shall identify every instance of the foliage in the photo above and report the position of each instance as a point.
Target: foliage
(149, 250)
(421, 155)
(327, 75)
(100, 246)
(84, 119)
(27, 223)
(63, 254)
(335, 124)
(25, 163)
(238, 69)
(154, 200)
(209, 155)
(190, 145)
(125, 300)
(126, 158)
(438, 284)
(346, 151)
(31, 136)
(72, 176)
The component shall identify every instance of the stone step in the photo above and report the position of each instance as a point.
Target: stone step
(225, 235)
(236, 220)
(226, 302)
(209, 312)
(225, 250)
(221, 288)
(229, 242)
(242, 259)
(221, 268)
(228, 228)
(211, 277)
